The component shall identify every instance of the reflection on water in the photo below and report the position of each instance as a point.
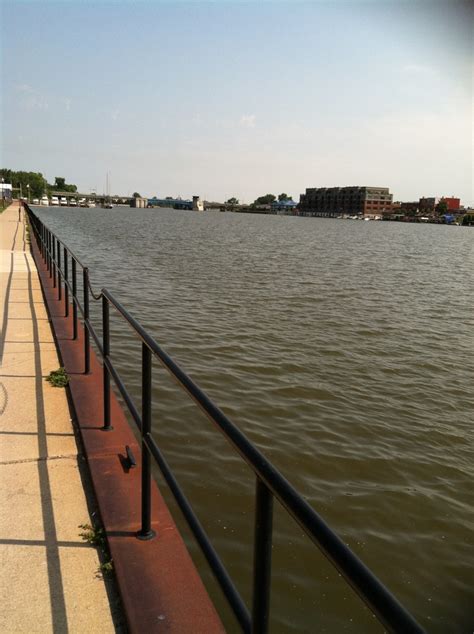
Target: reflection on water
(344, 350)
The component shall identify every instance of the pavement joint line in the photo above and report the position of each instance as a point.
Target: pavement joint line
(7, 432)
(4, 394)
(42, 542)
(74, 456)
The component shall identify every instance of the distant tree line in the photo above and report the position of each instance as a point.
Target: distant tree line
(38, 185)
(468, 220)
(261, 200)
(269, 198)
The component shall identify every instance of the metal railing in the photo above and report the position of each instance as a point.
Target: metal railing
(270, 483)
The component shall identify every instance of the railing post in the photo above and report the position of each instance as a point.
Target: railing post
(262, 563)
(106, 377)
(87, 352)
(58, 249)
(52, 266)
(66, 289)
(146, 532)
(74, 299)
(55, 258)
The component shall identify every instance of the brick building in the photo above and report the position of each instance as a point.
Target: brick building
(430, 204)
(332, 202)
(409, 207)
(454, 204)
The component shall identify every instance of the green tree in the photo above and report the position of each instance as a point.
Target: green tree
(38, 185)
(61, 185)
(136, 195)
(284, 197)
(232, 201)
(264, 200)
(20, 180)
(442, 207)
(6, 174)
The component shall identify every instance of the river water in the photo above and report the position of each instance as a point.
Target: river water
(345, 351)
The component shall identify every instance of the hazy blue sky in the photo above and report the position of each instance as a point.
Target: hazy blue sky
(233, 98)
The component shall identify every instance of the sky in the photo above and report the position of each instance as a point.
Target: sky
(241, 99)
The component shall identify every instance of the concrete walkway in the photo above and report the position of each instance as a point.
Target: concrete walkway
(49, 579)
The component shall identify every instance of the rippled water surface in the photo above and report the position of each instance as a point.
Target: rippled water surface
(345, 351)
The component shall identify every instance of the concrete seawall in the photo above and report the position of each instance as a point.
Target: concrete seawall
(50, 578)
(160, 588)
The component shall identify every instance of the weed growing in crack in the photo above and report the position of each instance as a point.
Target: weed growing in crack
(58, 378)
(95, 536)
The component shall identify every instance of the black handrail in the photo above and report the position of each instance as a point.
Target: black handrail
(269, 481)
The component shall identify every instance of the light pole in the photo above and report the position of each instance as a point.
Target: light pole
(3, 193)
(28, 188)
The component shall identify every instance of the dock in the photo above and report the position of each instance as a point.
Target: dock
(60, 472)
(51, 578)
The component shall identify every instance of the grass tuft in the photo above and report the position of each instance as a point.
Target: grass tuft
(58, 378)
(107, 567)
(95, 536)
(91, 535)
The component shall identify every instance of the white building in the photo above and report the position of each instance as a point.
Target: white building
(198, 204)
(6, 191)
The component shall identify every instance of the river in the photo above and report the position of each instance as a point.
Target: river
(345, 351)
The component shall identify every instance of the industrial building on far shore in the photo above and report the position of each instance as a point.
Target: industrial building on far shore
(332, 202)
